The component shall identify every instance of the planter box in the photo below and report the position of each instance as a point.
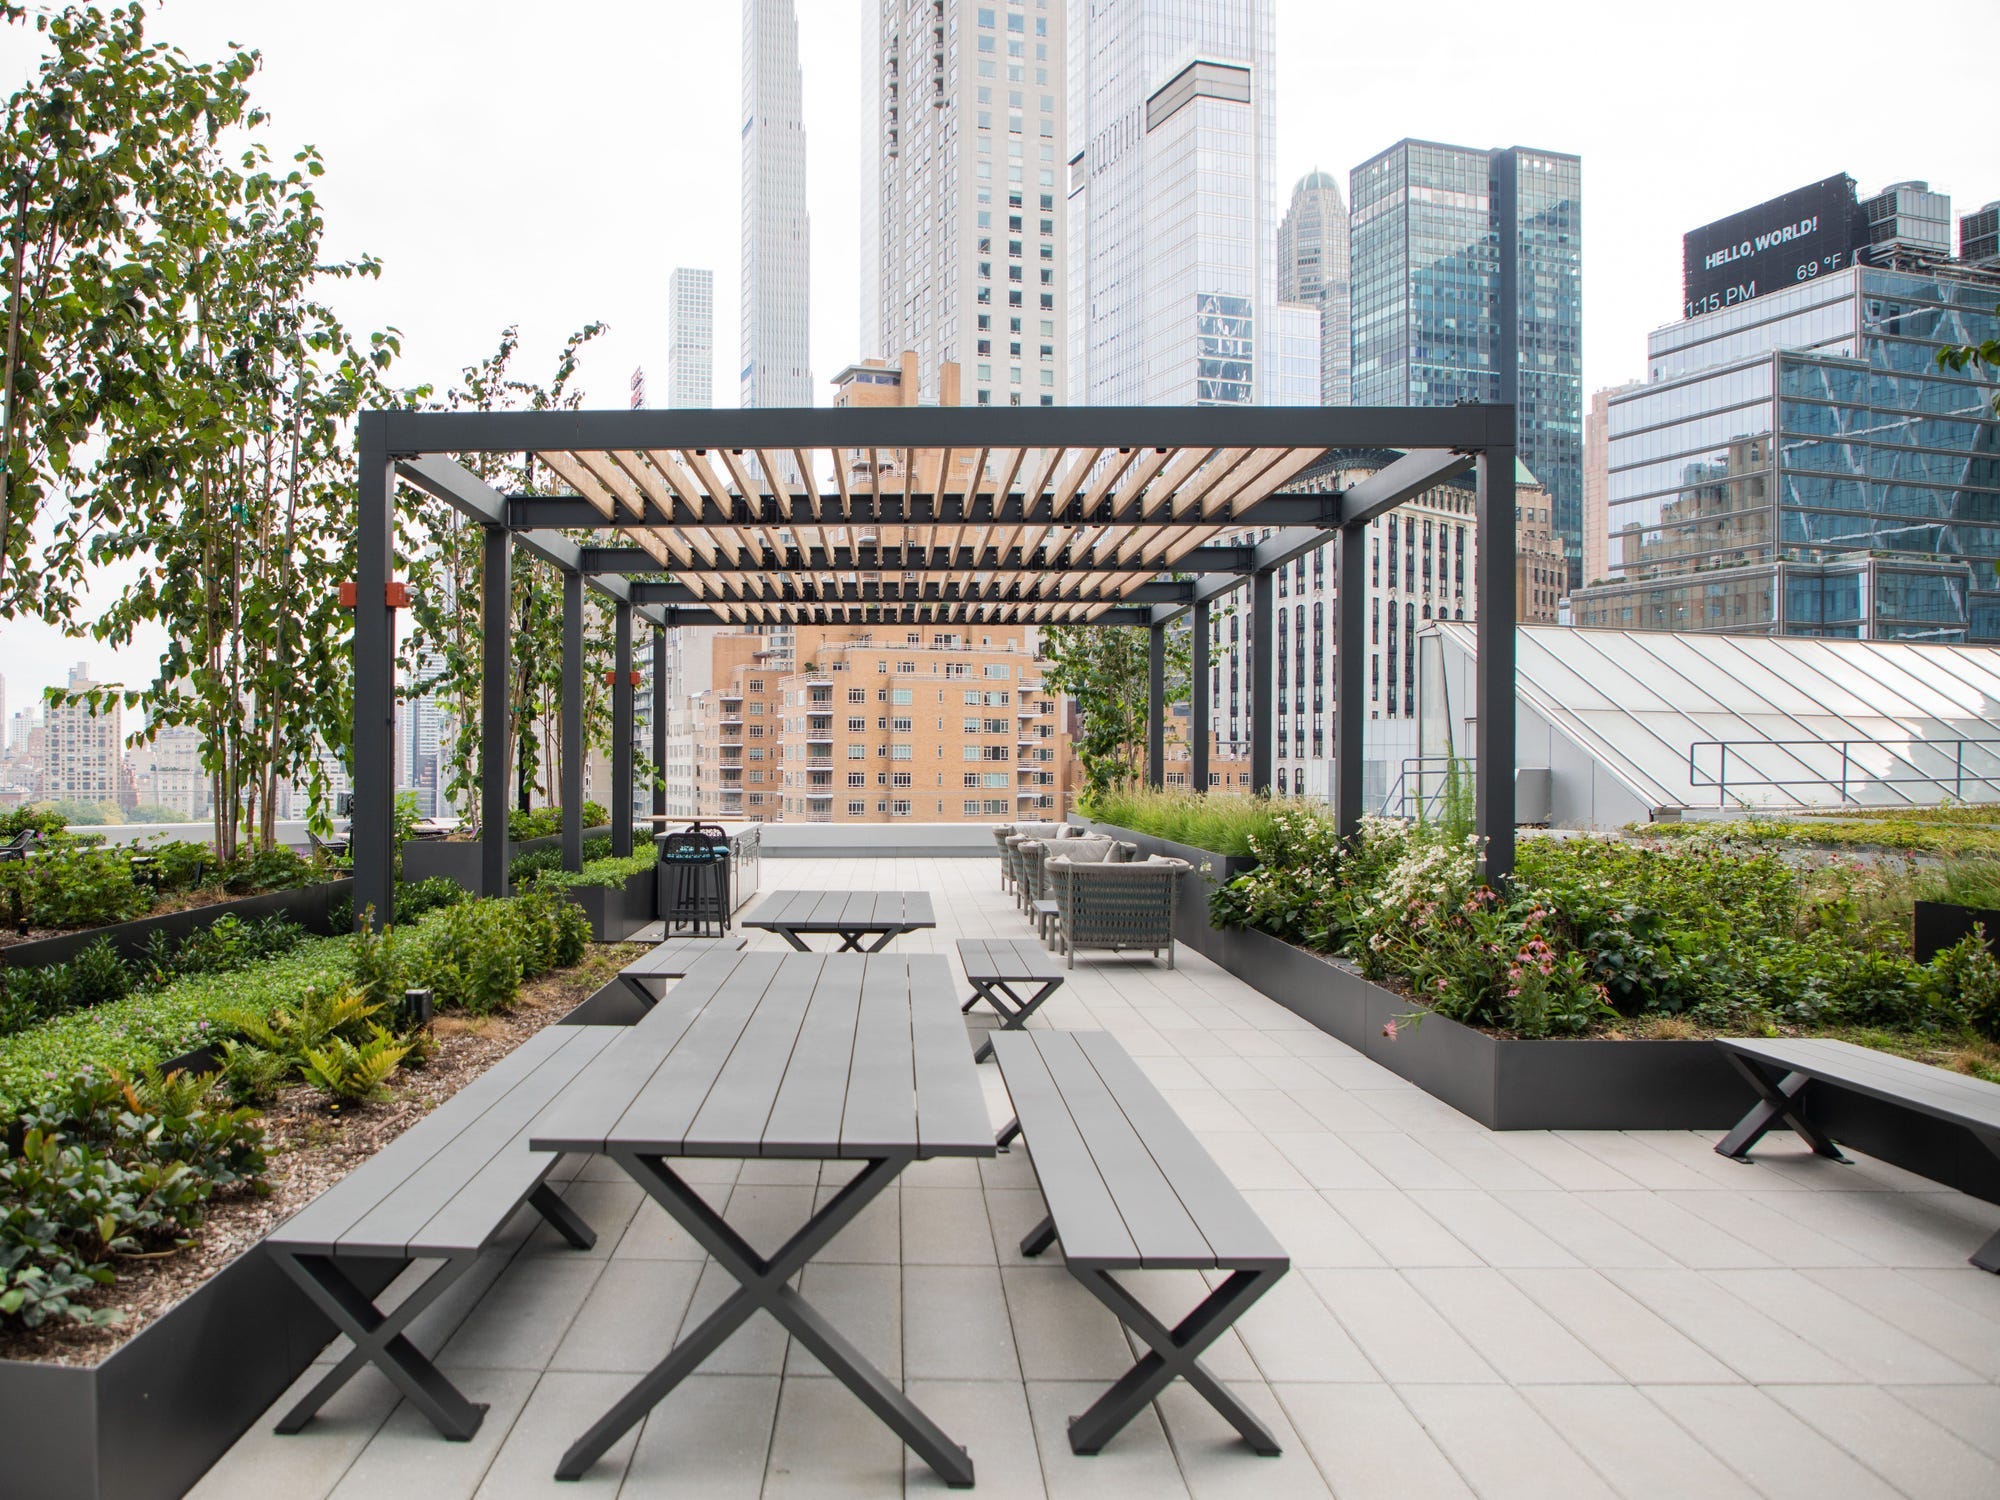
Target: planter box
(458, 859)
(1939, 924)
(616, 911)
(310, 906)
(1191, 924)
(148, 1420)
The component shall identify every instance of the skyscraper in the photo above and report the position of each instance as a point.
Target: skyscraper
(776, 365)
(1172, 282)
(962, 221)
(691, 338)
(82, 753)
(1312, 268)
(1466, 276)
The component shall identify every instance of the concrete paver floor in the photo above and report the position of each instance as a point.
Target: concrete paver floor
(1470, 1312)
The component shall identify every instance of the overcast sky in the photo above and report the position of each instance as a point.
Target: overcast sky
(549, 164)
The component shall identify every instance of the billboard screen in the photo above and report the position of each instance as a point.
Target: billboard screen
(1792, 238)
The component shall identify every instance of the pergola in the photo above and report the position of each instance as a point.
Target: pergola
(936, 515)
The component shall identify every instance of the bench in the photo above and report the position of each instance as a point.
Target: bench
(1129, 1188)
(442, 1190)
(994, 966)
(1781, 1071)
(670, 960)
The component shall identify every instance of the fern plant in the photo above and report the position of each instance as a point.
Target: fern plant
(351, 1074)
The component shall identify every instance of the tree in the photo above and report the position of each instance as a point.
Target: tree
(234, 475)
(1107, 671)
(443, 654)
(1975, 357)
(104, 166)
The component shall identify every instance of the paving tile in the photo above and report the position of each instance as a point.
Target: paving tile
(1634, 1341)
(1874, 1349)
(1916, 1455)
(1215, 1462)
(305, 1465)
(1250, 1160)
(1781, 1455)
(1405, 1162)
(1403, 1337)
(521, 1321)
(875, 1237)
(1937, 1307)
(564, 1405)
(1272, 1110)
(1060, 1330)
(710, 1439)
(1473, 1153)
(828, 1444)
(1972, 1412)
(768, 1215)
(946, 1227)
(1342, 1109)
(631, 1318)
(1136, 1465)
(407, 1454)
(1401, 1232)
(1501, 1444)
(1208, 1109)
(989, 1418)
(1491, 1230)
(1689, 1240)
(1325, 1160)
(1368, 1445)
(1634, 1445)
(1292, 1071)
(1516, 1337)
(1572, 1221)
(1310, 1229)
(864, 1305)
(955, 1324)
(1758, 1347)
(1293, 1333)
(1770, 1228)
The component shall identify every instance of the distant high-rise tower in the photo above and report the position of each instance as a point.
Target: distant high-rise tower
(691, 338)
(1467, 285)
(1172, 286)
(1312, 268)
(963, 220)
(776, 368)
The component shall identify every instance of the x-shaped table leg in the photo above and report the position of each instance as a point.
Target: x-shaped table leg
(1012, 1009)
(378, 1339)
(1987, 1256)
(1779, 1101)
(764, 1283)
(1175, 1352)
(850, 942)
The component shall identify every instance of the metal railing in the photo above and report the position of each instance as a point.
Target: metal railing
(1852, 766)
(1419, 791)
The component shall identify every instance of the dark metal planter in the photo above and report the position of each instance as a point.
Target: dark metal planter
(310, 906)
(458, 859)
(148, 1420)
(616, 911)
(1940, 924)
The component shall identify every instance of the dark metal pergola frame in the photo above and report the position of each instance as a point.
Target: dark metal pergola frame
(1124, 516)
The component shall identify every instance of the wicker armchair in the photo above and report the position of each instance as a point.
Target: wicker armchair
(1014, 860)
(1116, 904)
(1033, 856)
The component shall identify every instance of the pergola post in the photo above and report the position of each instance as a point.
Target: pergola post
(622, 706)
(572, 722)
(1198, 705)
(659, 723)
(1263, 679)
(495, 705)
(1156, 706)
(372, 825)
(1493, 775)
(1350, 670)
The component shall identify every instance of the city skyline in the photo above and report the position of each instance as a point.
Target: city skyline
(1646, 190)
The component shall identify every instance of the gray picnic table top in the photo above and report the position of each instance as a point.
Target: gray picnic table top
(803, 1055)
(852, 915)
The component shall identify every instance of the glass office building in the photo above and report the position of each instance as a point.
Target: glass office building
(1798, 464)
(1466, 284)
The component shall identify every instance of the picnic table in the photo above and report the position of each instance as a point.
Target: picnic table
(828, 1057)
(851, 915)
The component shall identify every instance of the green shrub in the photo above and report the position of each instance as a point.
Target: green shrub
(415, 897)
(112, 1167)
(1220, 822)
(73, 885)
(354, 1073)
(605, 871)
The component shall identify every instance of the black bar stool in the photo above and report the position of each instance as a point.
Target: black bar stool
(694, 884)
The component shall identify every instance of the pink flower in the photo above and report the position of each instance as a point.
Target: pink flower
(1389, 1029)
